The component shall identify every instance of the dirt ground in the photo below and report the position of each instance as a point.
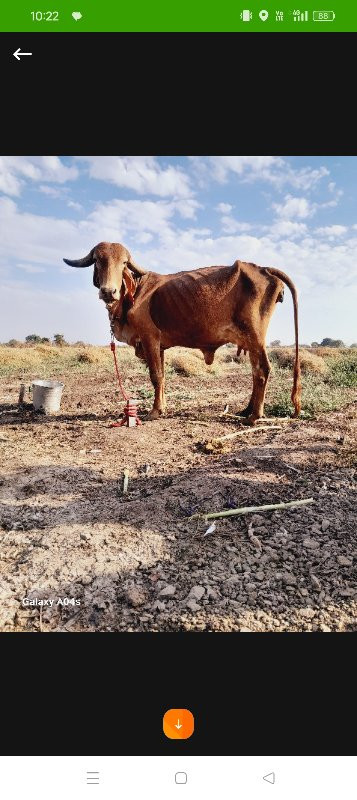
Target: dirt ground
(136, 561)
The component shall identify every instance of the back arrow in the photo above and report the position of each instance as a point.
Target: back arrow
(18, 53)
(178, 726)
(270, 778)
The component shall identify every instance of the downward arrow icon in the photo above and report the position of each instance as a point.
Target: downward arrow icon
(178, 726)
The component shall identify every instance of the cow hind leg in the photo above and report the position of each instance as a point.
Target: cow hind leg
(261, 369)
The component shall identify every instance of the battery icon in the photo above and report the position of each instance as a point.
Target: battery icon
(323, 16)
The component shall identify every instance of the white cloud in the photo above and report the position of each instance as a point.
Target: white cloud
(75, 206)
(272, 169)
(15, 170)
(224, 208)
(332, 230)
(230, 225)
(50, 191)
(286, 228)
(255, 166)
(142, 174)
(294, 207)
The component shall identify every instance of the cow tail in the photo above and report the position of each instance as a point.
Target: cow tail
(296, 392)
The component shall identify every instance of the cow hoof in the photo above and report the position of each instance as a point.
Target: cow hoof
(245, 413)
(154, 414)
(250, 420)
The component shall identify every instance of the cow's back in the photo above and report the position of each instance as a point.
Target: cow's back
(189, 305)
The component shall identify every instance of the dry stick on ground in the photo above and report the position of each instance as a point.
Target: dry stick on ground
(232, 512)
(212, 445)
(126, 480)
(246, 430)
(263, 419)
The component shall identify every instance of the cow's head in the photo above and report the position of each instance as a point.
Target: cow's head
(113, 270)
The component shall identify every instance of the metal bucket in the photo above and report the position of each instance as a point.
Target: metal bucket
(46, 396)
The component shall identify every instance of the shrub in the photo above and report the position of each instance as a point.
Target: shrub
(88, 357)
(33, 338)
(343, 371)
(309, 362)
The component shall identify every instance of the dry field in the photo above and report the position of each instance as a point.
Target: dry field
(137, 561)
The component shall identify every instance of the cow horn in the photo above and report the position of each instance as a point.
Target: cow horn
(135, 268)
(81, 262)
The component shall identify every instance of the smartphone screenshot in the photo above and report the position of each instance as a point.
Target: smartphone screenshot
(178, 361)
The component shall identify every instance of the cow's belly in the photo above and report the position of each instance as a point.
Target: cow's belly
(200, 337)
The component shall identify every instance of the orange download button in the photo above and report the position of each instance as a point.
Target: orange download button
(178, 723)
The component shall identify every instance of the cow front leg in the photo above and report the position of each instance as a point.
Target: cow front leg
(155, 361)
(261, 369)
(163, 398)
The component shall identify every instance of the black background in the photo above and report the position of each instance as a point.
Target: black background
(250, 694)
(178, 94)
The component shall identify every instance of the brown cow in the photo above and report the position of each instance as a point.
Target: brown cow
(202, 308)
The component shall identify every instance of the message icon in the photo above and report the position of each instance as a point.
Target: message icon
(76, 15)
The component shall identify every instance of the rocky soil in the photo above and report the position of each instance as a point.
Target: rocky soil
(136, 561)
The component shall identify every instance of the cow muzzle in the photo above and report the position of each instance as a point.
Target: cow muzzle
(108, 294)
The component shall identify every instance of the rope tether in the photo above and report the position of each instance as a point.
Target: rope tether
(130, 410)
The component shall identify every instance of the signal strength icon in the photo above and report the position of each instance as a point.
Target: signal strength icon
(301, 16)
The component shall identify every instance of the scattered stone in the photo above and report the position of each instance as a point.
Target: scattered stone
(85, 536)
(196, 593)
(168, 591)
(344, 562)
(193, 605)
(325, 524)
(309, 613)
(316, 583)
(311, 544)
(260, 576)
(289, 580)
(157, 606)
(136, 596)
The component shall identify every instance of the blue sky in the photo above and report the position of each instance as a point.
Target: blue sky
(296, 213)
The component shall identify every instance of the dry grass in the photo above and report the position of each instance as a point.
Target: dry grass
(327, 383)
(186, 362)
(309, 361)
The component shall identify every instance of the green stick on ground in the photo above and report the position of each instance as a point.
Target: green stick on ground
(232, 512)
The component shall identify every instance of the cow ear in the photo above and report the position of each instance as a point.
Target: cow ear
(129, 284)
(95, 278)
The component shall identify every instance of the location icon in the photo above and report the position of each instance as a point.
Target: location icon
(263, 15)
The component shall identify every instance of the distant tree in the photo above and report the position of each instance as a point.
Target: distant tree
(354, 344)
(315, 344)
(33, 338)
(79, 344)
(59, 339)
(275, 343)
(332, 342)
(13, 343)
(45, 340)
